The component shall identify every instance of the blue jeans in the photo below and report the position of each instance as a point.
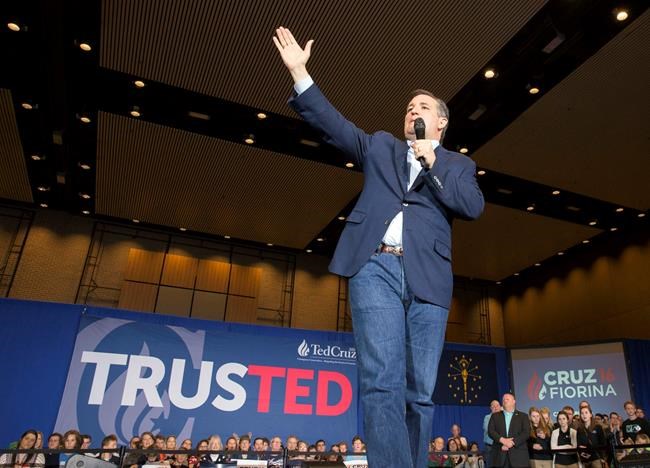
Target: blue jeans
(399, 340)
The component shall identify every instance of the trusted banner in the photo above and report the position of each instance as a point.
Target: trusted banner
(127, 377)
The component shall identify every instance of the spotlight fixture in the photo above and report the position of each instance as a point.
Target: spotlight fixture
(84, 166)
(533, 89)
(26, 106)
(641, 215)
(86, 212)
(43, 205)
(136, 221)
(481, 172)
(85, 47)
(37, 157)
(183, 229)
(15, 27)
(349, 165)
(516, 274)
(320, 239)
(621, 15)
(261, 115)
(249, 140)
(43, 188)
(135, 112)
(586, 241)
(341, 218)
(84, 195)
(613, 229)
(498, 282)
(538, 264)
(269, 244)
(139, 83)
(555, 192)
(309, 251)
(619, 210)
(593, 223)
(85, 119)
(489, 73)
(560, 253)
(530, 208)
(464, 150)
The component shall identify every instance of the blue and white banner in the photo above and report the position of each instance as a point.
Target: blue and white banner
(127, 377)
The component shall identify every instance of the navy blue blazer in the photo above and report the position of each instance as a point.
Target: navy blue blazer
(447, 190)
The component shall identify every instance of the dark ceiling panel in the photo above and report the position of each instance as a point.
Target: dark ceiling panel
(14, 180)
(591, 133)
(165, 176)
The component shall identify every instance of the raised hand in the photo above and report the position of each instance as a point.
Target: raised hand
(294, 57)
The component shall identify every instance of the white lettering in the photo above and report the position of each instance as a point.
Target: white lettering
(176, 385)
(135, 382)
(103, 363)
(237, 391)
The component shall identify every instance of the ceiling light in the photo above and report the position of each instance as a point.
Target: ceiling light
(320, 239)
(250, 139)
(504, 191)
(13, 26)
(498, 282)
(269, 244)
(619, 210)
(85, 47)
(555, 192)
(489, 73)
(530, 208)
(261, 115)
(586, 241)
(622, 15)
(341, 218)
(572, 208)
(560, 253)
(139, 83)
(136, 221)
(86, 212)
(135, 112)
(349, 165)
(84, 166)
(538, 264)
(313, 144)
(85, 119)
(308, 251)
(593, 223)
(198, 115)
(26, 106)
(481, 172)
(37, 157)
(464, 150)
(183, 229)
(85, 196)
(533, 90)
(641, 215)
(226, 237)
(43, 205)
(43, 188)
(516, 274)
(613, 229)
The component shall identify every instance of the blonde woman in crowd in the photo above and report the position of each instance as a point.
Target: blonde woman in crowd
(539, 444)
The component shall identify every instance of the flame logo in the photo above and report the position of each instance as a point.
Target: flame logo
(303, 349)
(534, 388)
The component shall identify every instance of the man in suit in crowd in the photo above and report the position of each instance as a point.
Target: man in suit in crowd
(396, 250)
(509, 430)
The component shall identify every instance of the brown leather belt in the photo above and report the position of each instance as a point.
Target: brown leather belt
(383, 248)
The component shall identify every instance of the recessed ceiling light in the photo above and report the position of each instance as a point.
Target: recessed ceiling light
(538, 264)
(84, 195)
(43, 188)
(504, 191)
(498, 282)
(464, 150)
(13, 26)
(85, 47)
(349, 165)
(516, 274)
(489, 73)
(270, 244)
(226, 237)
(560, 253)
(622, 15)
(613, 229)
(139, 83)
(261, 115)
(183, 229)
(530, 208)
(586, 241)
(86, 212)
(320, 239)
(313, 144)
(84, 166)
(308, 251)
(533, 90)
(249, 140)
(43, 205)
(136, 221)
(37, 157)
(641, 215)
(481, 172)
(26, 106)
(341, 218)
(619, 210)
(135, 112)
(593, 223)
(555, 192)
(85, 119)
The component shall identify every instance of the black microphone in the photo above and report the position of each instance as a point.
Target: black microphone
(420, 129)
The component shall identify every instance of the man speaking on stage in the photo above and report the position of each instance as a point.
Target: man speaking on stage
(396, 251)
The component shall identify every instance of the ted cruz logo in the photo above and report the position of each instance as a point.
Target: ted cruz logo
(303, 349)
(330, 353)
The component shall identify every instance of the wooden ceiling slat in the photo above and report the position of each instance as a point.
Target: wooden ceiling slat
(14, 180)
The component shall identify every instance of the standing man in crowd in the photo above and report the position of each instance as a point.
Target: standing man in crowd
(509, 430)
(633, 424)
(495, 407)
(396, 250)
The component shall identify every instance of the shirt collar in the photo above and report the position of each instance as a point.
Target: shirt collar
(436, 143)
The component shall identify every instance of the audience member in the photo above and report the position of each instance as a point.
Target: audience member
(564, 437)
(539, 444)
(509, 429)
(591, 440)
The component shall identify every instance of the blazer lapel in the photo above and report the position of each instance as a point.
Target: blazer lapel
(419, 180)
(401, 166)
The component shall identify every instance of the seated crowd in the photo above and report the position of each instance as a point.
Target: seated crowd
(586, 437)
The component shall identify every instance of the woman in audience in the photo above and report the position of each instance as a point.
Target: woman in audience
(194, 459)
(358, 447)
(214, 443)
(475, 460)
(545, 412)
(71, 441)
(147, 442)
(564, 437)
(539, 444)
(452, 446)
(187, 444)
(591, 439)
(24, 460)
(620, 454)
(642, 439)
